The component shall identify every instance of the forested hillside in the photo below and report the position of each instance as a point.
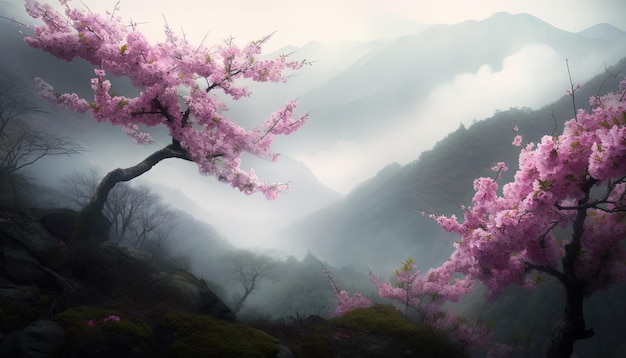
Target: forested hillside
(380, 223)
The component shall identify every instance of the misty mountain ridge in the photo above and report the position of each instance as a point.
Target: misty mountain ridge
(380, 224)
(355, 91)
(394, 79)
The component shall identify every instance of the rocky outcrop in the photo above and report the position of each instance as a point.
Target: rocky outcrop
(40, 339)
(194, 293)
(38, 262)
(22, 228)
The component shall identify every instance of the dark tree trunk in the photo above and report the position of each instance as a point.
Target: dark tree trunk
(93, 210)
(239, 303)
(571, 327)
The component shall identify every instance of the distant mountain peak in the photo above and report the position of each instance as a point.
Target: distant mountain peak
(603, 31)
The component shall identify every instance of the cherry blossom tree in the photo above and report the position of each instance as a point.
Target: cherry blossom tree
(179, 83)
(344, 302)
(563, 216)
(418, 293)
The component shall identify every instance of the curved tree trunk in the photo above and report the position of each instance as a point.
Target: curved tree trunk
(90, 213)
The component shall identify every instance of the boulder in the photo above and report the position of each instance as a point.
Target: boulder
(23, 294)
(62, 222)
(22, 227)
(193, 295)
(41, 339)
(127, 274)
(17, 265)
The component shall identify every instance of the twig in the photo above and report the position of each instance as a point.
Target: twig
(569, 74)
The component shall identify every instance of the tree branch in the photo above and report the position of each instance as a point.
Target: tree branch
(549, 270)
(98, 199)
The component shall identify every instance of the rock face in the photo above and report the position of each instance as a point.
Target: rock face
(194, 294)
(39, 263)
(38, 340)
(22, 228)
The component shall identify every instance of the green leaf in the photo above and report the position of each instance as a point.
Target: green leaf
(121, 103)
(545, 184)
(616, 121)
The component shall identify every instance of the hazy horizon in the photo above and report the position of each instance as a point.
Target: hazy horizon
(531, 76)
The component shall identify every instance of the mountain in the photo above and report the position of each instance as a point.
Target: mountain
(382, 87)
(603, 32)
(354, 92)
(379, 223)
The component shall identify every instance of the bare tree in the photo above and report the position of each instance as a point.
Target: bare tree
(137, 215)
(155, 245)
(13, 106)
(125, 207)
(77, 187)
(21, 145)
(249, 268)
(153, 225)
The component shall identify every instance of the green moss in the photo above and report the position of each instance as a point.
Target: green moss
(15, 315)
(386, 321)
(89, 335)
(206, 336)
(379, 320)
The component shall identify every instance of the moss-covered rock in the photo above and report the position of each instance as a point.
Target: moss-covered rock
(382, 331)
(15, 315)
(101, 332)
(191, 336)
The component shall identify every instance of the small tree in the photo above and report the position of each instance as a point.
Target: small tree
(125, 208)
(249, 268)
(153, 226)
(418, 293)
(178, 83)
(135, 213)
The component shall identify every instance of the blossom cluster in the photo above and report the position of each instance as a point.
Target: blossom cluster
(112, 318)
(345, 302)
(577, 176)
(179, 84)
(425, 294)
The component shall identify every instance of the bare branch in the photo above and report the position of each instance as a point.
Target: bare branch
(549, 270)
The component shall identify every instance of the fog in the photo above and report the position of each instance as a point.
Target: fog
(334, 162)
(368, 108)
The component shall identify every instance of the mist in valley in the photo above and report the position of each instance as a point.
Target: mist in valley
(398, 125)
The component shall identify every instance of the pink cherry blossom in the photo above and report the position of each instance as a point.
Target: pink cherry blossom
(182, 85)
(112, 318)
(345, 302)
(573, 180)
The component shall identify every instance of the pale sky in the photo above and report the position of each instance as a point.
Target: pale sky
(532, 77)
(299, 22)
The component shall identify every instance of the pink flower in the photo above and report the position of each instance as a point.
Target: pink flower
(112, 318)
(180, 87)
(91, 323)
